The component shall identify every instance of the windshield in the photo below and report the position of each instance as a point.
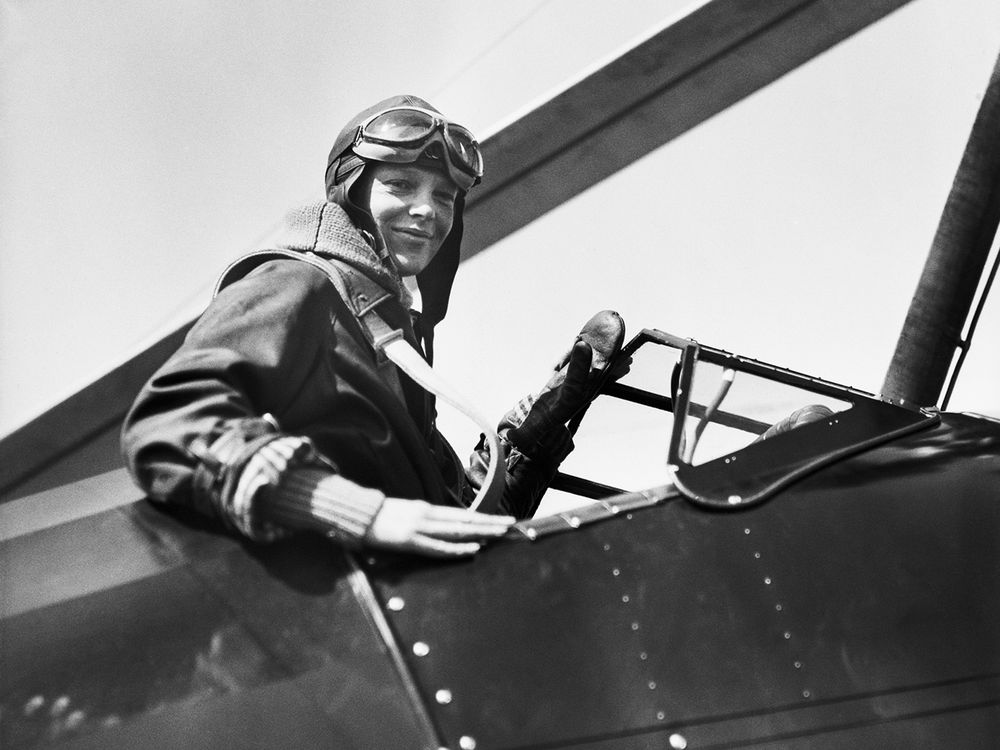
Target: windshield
(726, 430)
(729, 409)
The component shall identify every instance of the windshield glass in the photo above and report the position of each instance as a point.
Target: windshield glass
(716, 426)
(729, 409)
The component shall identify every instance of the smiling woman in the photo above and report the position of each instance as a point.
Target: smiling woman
(413, 208)
(281, 412)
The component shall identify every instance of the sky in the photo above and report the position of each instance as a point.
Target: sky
(145, 145)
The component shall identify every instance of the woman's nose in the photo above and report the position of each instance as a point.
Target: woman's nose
(423, 205)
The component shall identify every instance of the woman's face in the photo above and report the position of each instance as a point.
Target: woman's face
(413, 208)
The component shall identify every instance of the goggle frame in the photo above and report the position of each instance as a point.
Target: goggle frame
(464, 171)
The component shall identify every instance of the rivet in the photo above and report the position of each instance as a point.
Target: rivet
(788, 635)
(574, 521)
(625, 598)
(467, 743)
(778, 607)
(652, 685)
(798, 665)
(767, 581)
(396, 603)
(75, 719)
(643, 656)
(628, 516)
(756, 555)
(443, 697)
(607, 547)
(615, 510)
(615, 571)
(677, 742)
(735, 499)
(421, 649)
(661, 715)
(532, 534)
(806, 694)
(746, 531)
(635, 626)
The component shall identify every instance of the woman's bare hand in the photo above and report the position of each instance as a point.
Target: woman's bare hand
(434, 530)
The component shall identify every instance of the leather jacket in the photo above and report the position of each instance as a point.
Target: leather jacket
(279, 353)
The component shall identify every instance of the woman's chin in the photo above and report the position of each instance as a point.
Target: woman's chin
(410, 264)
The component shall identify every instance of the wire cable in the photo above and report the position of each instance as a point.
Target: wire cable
(966, 343)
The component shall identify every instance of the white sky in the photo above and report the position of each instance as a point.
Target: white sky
(144, 145)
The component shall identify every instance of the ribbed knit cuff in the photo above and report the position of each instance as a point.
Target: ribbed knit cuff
(308, 498)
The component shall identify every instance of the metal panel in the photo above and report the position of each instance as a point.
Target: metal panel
(145, 631)
(875, 582)
(960, 716)
(860, 604)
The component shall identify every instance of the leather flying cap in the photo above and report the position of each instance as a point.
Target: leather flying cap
(344, 167)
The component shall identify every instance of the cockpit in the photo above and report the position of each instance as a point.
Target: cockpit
(721, 430)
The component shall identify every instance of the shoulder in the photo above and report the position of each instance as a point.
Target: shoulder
(299, 273)
(289, 279)
(277, 293)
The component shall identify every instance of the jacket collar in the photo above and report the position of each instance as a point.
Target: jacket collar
(326, 229)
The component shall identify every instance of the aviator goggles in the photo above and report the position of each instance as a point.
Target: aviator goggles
(402, 135)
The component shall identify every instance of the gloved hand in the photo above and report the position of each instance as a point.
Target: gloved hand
(592, 360)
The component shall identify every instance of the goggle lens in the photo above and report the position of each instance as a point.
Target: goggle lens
(408, 127)
(465, 148)
(400, 126)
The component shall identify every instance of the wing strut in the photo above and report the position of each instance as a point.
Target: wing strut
(932, 331)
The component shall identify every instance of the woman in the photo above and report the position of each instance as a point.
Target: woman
(278, 414)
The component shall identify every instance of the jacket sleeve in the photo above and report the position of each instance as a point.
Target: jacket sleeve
(200, 432)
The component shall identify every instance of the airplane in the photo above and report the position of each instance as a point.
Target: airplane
(834, 584)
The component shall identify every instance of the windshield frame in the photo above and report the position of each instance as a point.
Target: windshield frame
(765, 466)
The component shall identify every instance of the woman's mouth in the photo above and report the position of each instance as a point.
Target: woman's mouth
(414, 232)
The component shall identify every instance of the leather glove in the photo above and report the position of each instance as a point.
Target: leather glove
(579, 376)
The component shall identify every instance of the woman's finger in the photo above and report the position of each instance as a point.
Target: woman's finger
(461, 515)
(460, 530)
(441, 548)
